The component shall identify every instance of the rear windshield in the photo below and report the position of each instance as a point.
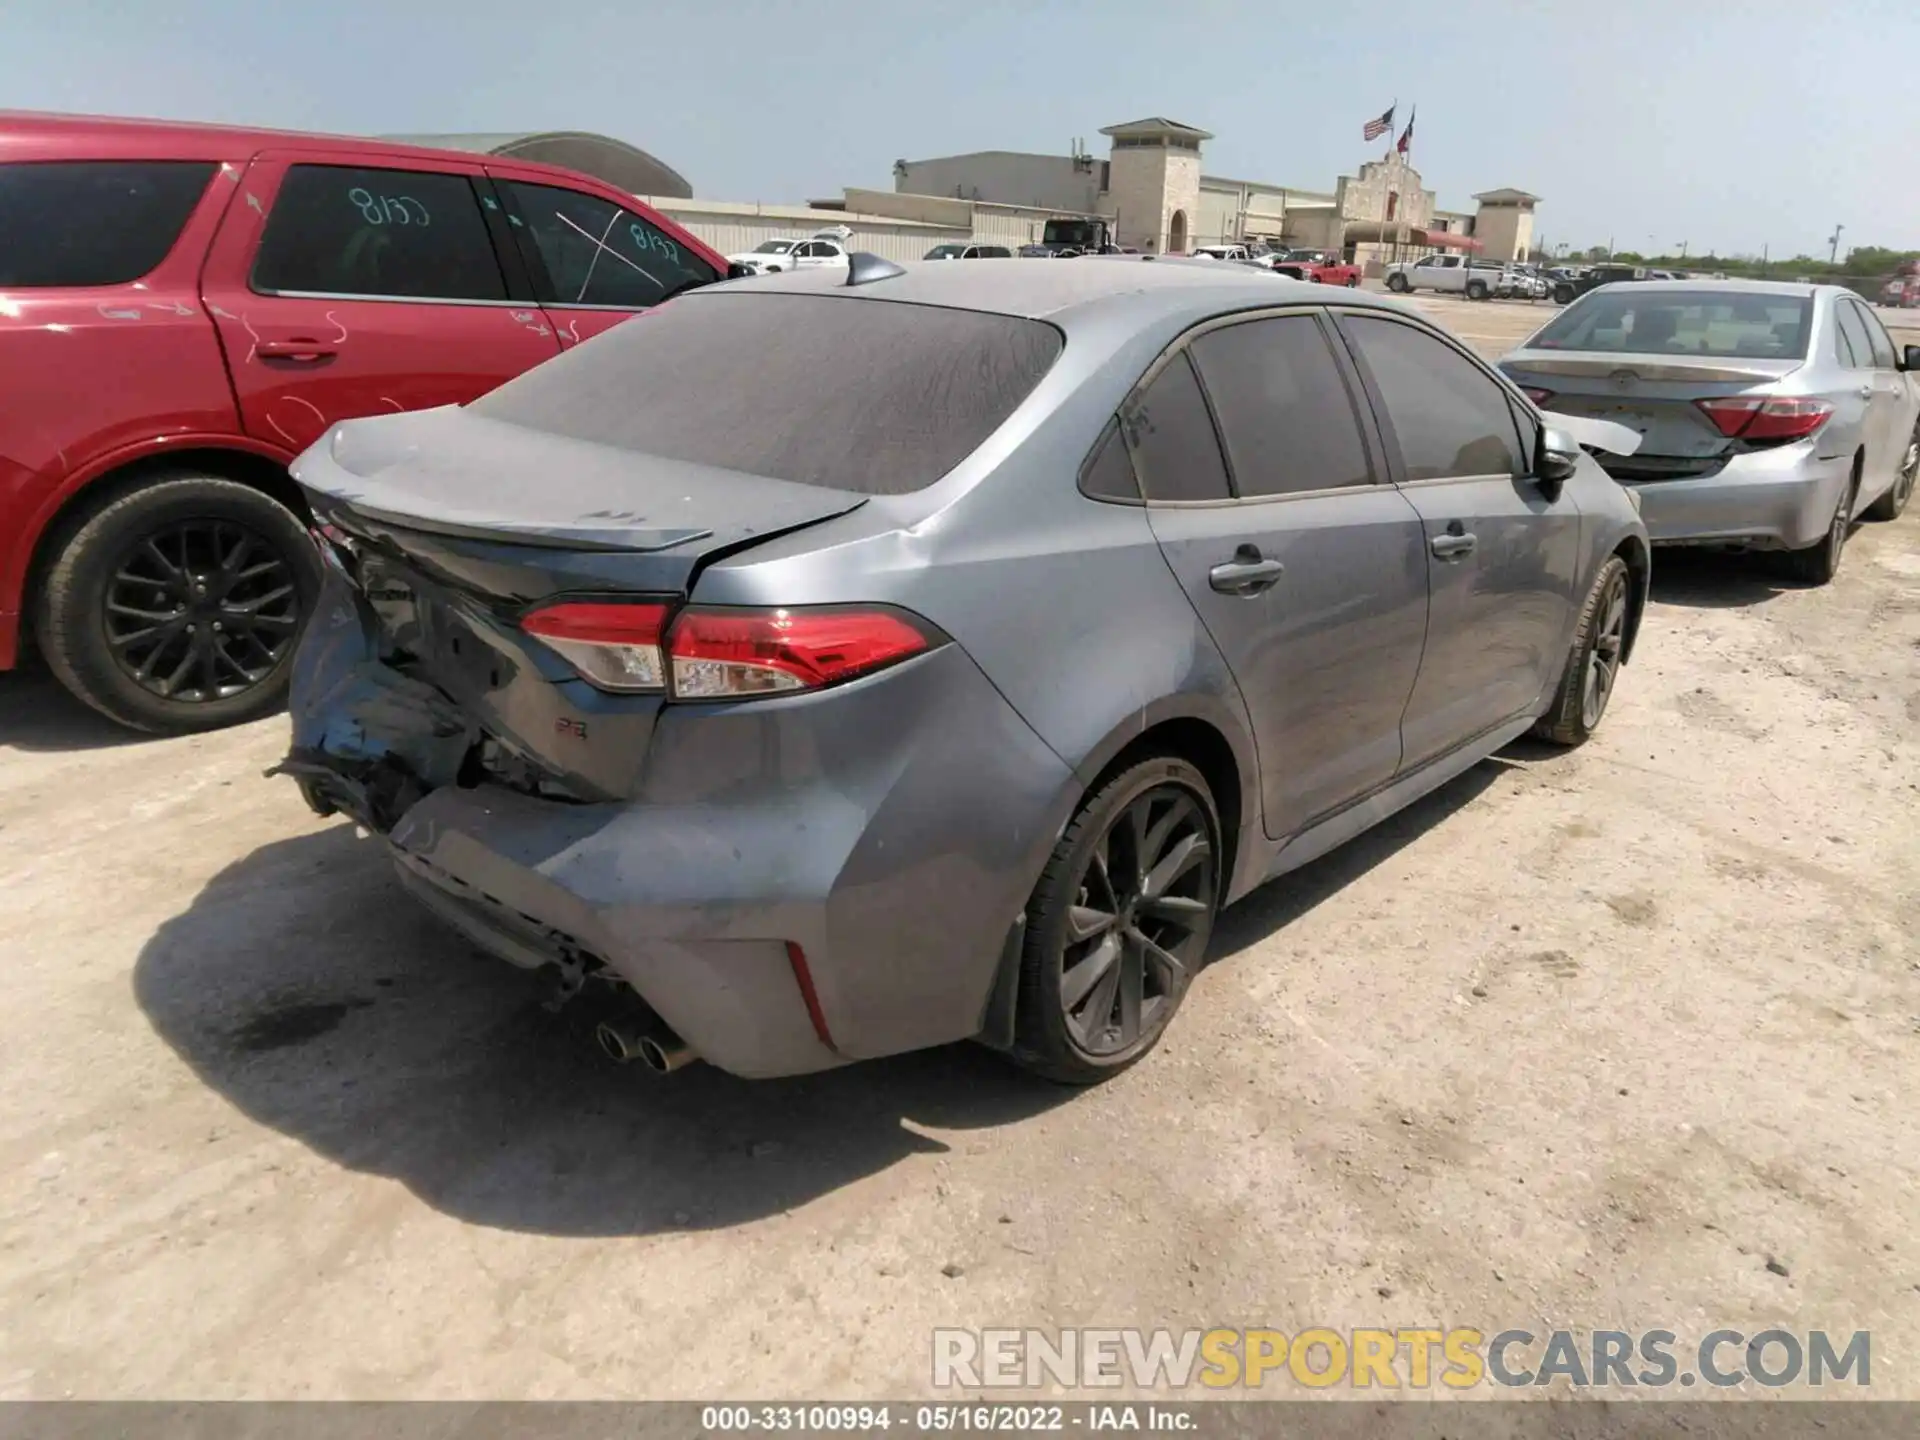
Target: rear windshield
(1663, 321)
(92, 222)
(855, 394)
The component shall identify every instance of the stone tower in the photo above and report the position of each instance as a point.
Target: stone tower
(1153, 183)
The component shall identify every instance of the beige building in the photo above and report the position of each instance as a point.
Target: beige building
(1505, 223)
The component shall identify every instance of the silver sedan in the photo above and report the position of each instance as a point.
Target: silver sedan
(1772, 415)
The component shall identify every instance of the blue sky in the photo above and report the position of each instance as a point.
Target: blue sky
(1651, 123)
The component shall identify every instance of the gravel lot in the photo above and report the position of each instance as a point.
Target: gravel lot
(1581, 1040)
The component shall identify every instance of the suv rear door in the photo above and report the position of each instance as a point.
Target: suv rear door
(594, 263)
(346, 284)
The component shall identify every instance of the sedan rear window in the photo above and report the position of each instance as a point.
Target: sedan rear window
(92, 222)
(1663, 321)
(854, 394)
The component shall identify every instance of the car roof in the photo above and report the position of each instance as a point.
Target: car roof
(1038, 289)
(123, 138)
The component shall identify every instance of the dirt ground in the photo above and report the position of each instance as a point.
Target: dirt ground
(1582, 1040)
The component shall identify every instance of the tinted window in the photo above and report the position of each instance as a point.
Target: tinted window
(851, 393)
(1847, 318)
(1109, 474)
(595, 253)
(92, 223)
(1842, 346)
(1285, 417)
(1175, 450)
(1877, 337)
(337, 230)
(1664, 320)
(1449, 417)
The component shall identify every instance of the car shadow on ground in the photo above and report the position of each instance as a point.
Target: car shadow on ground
(1718, 579)
(311, 992)
(37, 713)
(304, 986)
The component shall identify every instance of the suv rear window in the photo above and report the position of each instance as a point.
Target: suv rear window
(866, 395)
(1666, 320)
(93, 222)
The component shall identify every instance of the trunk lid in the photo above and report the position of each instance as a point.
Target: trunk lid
(1652, 395)
(450, 526)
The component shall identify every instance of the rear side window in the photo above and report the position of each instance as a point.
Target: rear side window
(1285, 416)
(1854, 335)
(594, 253)
(1175, 450)
(92, 222)
(855, 394)
(1883, 355)
(408, 234)
(1447, 415)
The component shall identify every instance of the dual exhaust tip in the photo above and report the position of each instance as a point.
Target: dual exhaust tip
(655, 1047)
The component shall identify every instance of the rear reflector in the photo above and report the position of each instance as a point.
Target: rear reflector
(1757, 417)
(718, 654)
(735, 654)
(803, 977)
(614, 646)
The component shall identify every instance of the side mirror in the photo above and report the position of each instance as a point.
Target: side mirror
(1559, 460)
(1910, 358)
(737, 271)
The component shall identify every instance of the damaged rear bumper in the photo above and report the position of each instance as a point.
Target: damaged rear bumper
(890, 829)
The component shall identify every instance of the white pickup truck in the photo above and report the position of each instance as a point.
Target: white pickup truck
(1455, 274)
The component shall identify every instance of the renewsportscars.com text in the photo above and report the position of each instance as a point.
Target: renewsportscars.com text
(1417, 1359)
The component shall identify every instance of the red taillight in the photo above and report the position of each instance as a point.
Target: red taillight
(1536, 395)
(732, 654)
(614, 646)
(722, 654)
(1756, 417)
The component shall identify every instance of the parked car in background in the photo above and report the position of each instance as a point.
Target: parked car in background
(184, 308)
(717, 715)
(1039, 252)
(1530, 283)
(1774, 415)
(1448, 274)
(1322, 267)
(969, 251)
(1567, 291)
(1222, 252)
(771, 257)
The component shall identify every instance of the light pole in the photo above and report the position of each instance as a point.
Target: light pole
(1833, 246)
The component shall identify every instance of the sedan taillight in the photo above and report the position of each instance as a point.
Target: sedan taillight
(723, 654)
(1757, 417)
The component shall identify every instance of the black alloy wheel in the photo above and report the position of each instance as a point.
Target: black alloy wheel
(1120, 923)
(201, 610)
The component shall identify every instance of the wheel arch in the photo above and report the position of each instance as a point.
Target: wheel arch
(257, 469)
(1639, 559)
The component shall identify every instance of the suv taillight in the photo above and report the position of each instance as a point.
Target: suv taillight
(724, 653)
(1756, 417)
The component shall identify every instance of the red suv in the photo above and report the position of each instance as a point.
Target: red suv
(184, 308)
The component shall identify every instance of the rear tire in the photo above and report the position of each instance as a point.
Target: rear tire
(112, 604)
(1889, 505)
(1820, 562)
(1398, 284)
(1593, 665)
(1477, 291)
(1563, 294)
(1119, 923)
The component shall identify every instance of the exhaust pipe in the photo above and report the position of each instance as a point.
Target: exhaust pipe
(658, 1048)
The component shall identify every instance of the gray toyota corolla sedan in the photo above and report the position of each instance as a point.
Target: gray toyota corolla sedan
(853, 662)
(1773, 415)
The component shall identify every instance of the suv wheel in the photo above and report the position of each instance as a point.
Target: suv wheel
(1119, 923)
(176, 607)
(1398, 284)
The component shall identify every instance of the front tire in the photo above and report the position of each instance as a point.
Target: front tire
(176, 607)
(1593, 665)
(1889, 505)
(1398, 284)
(1563, 294)
(1118, 925)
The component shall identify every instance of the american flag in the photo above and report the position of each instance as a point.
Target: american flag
(1374, 129)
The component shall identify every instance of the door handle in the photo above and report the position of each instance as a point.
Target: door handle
(1449, 547)
(303, 350)
(1247, 574)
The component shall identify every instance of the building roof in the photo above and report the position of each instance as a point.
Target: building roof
(1507, 196)
(679, 206)
(1156, 125)
(624, 166)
